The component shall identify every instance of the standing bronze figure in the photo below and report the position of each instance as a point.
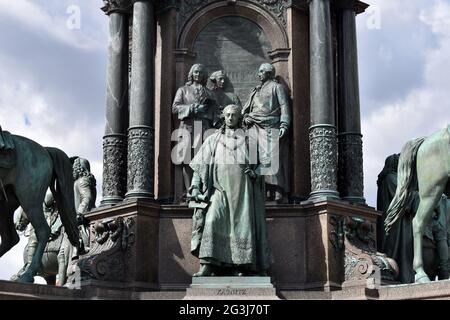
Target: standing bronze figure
(267, 114)
(194, 107)
(223, 94)
(229, 229)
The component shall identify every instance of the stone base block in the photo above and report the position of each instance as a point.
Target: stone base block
(231, 288)
(146, 246)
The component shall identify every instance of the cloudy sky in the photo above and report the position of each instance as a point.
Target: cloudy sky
(53, 62)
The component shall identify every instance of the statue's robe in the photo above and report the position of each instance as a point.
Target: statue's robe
(269, 108)
(235, 231)
(398, 243)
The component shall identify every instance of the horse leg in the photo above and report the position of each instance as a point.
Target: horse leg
(420, 221)
(8, 232)
(42, 230)
(64, 255)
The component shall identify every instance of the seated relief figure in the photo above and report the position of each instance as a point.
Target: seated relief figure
(267, 115)
(223, 94)
(229, 223)
(194, 107)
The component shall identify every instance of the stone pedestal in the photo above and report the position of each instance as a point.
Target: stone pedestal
(146, 246)
(231, 288)
(124, 247)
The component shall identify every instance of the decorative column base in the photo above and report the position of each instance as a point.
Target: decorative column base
(323, 143)
(350, 167)
(140, 162)
(114, 168)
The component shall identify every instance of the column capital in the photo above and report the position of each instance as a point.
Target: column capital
(117, 6)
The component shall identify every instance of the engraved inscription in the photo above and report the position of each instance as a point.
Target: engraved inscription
(229, 292)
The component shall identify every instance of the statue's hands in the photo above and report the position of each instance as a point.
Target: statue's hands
(195, 193)
(247, 121)
(200, 108)
(250, 173)
(282, 132)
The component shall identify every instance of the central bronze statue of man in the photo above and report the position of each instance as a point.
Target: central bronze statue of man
(229, 229)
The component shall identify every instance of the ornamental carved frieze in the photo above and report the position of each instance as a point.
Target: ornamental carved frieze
(323, 158)
(140, 159)
(187, 8)
(350, 165)
(121, 6)
(111, 246)
(355, 237)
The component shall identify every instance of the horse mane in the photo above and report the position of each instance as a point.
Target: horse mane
(405, 178)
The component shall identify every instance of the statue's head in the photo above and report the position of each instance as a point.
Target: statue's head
(266, 72)
(81, 167)
(232, 116)
(219, 79)
(198, 74)
(391, 162)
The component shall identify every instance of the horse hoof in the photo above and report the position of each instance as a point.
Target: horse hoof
(421, 278)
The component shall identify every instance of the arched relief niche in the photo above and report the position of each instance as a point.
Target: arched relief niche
(237, 45)
(277, 44)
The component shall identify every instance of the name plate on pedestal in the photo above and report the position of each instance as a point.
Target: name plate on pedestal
(231, 288)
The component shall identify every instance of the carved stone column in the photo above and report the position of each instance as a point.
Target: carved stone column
(350, 172)
(141, 131)
(115, 139)
(323, 123)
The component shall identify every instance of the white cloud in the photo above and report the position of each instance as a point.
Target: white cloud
(47, 124)
(421, 111)
(12, 261)
(37, 19)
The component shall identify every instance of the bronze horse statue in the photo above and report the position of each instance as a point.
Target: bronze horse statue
(428, 161)
(27, 170)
